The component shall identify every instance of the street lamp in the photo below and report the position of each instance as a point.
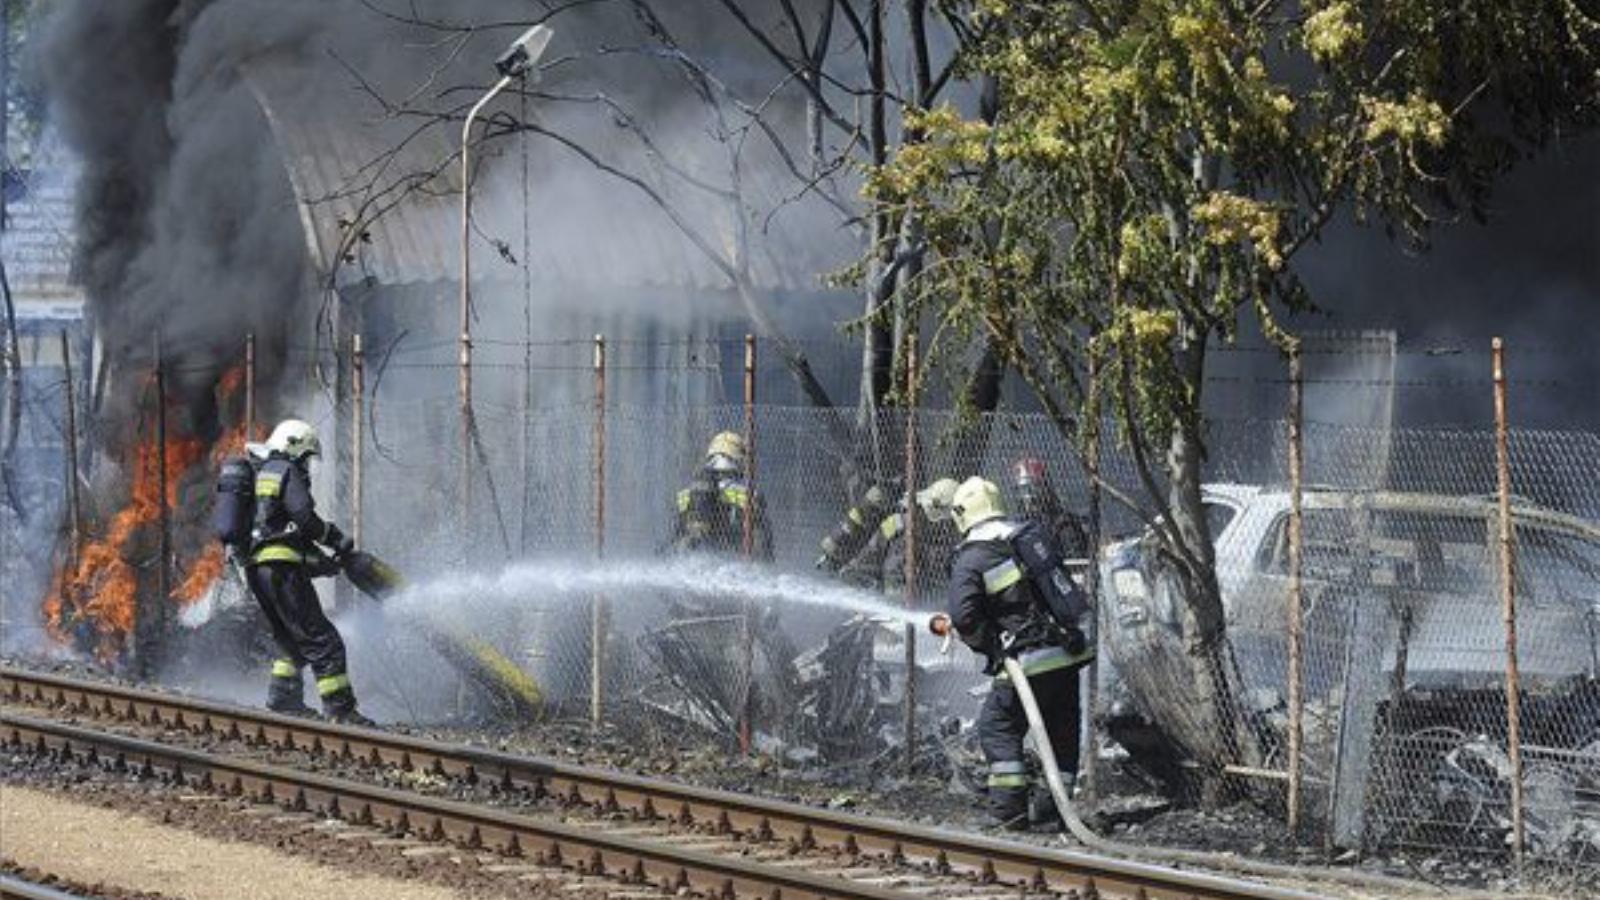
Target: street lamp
(517, 61)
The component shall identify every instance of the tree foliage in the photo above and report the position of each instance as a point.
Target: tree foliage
(1158, 165)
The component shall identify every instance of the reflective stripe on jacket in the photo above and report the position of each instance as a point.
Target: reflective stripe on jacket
(991, 595)
(287, 524)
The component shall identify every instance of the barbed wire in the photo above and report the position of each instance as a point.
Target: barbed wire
(1436, 383)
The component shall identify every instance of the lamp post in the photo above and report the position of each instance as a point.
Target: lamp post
(514, 63)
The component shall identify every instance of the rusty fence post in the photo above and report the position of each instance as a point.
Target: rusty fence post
(1508, 593)
(747, 636)
(74, 513)
(911, 551)
(597, 617)
(358, 435)
(1087, 754)
(1296, 587)
(250, 386)
(147, 655)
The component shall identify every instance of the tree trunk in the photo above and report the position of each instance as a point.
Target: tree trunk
(1209, 655)
(13, 350)
(877, 352)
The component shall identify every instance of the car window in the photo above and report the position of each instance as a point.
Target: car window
(1218, 515)
(1553, 565)
(1330, 551)
(1404, 549)
(1435, 552)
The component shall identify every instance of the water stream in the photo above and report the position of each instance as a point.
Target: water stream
(703, 577)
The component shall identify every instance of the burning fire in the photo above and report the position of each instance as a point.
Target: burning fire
(99, 585)
(204, 571)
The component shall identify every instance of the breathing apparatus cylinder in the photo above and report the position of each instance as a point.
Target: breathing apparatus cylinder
(233, 513)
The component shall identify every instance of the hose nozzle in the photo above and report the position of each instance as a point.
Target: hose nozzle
(941, 626)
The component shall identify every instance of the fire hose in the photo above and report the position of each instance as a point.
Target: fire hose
(941, 626)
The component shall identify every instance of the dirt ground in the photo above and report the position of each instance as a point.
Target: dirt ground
(91, 845)
(103, 834)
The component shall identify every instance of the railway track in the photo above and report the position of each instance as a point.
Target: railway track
(14, 888)
(930, 862)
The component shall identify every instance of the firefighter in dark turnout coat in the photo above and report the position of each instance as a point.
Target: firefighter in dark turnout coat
(713, 508)
(997, 610)
(286, 554)
(1037, 501)
(885, 553)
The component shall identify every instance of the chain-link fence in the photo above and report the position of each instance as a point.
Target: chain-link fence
(546, 541)
(1404, 656)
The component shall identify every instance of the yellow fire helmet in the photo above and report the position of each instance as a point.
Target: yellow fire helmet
(726, 449)
(976, 500)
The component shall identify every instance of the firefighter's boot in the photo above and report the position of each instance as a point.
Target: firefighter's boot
(1008, 809)
(339, 701)
(1043, 816)
(286, 693)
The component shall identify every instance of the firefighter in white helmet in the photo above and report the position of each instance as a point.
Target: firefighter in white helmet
(287, 551)
(1009, 596)
(881, 560)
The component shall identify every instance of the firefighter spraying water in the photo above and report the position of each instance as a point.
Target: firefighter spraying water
(1011, 601)
(286, 545)
(265, 518)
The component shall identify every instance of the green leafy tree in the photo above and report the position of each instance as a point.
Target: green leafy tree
(1155, 169)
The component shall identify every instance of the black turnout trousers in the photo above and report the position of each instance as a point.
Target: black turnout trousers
(300, 628)
(1002, 726)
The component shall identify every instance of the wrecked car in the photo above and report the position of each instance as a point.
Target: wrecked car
(1404, 655)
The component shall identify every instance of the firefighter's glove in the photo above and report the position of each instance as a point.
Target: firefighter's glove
(337, 541)
(320, 566)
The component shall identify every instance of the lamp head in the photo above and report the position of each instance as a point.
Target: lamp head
(524, 52)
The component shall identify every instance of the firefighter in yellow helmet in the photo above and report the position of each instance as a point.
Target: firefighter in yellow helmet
(1010, 596)
(713, 508)
(705, 633)
(287, 551)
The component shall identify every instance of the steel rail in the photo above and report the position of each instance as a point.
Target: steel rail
(14, 888)
(590, 852)
(805, 827)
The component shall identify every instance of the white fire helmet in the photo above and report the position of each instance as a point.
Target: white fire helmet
(294, 439)
(976, 500)
(935, 499)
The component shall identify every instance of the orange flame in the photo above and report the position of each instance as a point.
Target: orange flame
(204, 571)
(100, 584)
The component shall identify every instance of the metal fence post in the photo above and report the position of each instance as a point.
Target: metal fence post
(1087, 754)
(74, 515)
(358, 437)
(747, 637)
(597, 619)
(250, 386)
(1508, 592)
(1296, 565)
(911, 551)
(146, 654)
